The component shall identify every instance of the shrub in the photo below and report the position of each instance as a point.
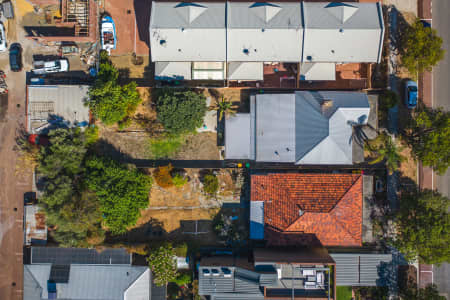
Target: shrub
(165, 147)
(179, 180)
(389, 99)
(210, 184)
(180, 112)
(109, 101)
(162, 176)
(183, 279)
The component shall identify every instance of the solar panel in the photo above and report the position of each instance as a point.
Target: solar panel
(59, 273)
(67, 256)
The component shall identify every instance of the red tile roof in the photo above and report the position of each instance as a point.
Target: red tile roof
(331, 205)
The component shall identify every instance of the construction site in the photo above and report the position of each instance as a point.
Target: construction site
(62, 21)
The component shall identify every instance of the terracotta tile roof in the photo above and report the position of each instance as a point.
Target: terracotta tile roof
(328, 206)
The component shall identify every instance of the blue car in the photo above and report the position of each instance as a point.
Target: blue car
(411, 94)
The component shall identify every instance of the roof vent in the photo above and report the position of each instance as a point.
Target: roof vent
(262, 29)
(163, 43)
(300, 212)
(246, 51)
(341, 30)
(309, 57)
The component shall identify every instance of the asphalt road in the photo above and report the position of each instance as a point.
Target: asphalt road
(441, 98)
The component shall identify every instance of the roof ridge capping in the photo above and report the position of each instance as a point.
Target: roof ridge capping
(341, 11)
(190, 10)
(265, 10)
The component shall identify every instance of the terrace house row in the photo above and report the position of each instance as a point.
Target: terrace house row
(235, 41)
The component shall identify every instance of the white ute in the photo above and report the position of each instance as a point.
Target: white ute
(54, 66)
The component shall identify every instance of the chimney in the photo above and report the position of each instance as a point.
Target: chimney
(326, 105)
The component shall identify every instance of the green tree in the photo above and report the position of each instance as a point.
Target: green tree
(76, 221)
(386, 150)
(423, 227)
(421, 48)
(180, 112)
(429, 137)
(163, 264)
(70, 209)
(121, 192)
(225, 108)
(109, 101)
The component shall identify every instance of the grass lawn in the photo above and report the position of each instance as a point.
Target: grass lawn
(344, 293)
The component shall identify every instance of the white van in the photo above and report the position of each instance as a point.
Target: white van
(54, 66)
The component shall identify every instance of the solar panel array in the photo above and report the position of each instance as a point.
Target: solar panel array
(67, 256)
(59, 273)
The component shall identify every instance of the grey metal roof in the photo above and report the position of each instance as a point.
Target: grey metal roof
(275, 127)
(188, 31)
(67, 256)
(95, 281)
(238, 136)
(362, 269)
(64, 101)
(238, 281)
(260, 31)
(295, 128)
(343, 32)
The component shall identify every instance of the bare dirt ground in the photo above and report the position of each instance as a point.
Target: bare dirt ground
(133, 31)
(178, 212)
(128, 69)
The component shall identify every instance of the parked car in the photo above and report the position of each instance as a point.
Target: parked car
(3, 45)
(411, 94)
(15, 57)
(54, 66)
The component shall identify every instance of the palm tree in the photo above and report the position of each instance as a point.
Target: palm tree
(225, 107)
(386, 150)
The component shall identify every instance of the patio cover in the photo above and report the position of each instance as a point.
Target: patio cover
(172, 70)
(245, 71)
(238, 137)
(318, 71)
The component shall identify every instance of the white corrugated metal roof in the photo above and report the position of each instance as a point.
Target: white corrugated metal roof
(245, 71)
(343, 32)
(264, 31)
(318, 71)
(187, 31)
(173, 70)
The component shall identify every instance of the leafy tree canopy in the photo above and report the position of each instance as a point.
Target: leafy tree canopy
(70, 209)
(122, 192)
(424, 227)
(163, 264)
(180, 112)
(109, 101)
(429, 137)
(421, 48)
